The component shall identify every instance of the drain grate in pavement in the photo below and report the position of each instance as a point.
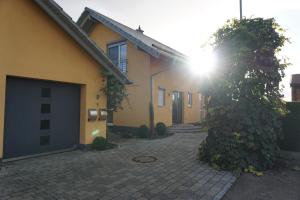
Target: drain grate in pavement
(144, 159)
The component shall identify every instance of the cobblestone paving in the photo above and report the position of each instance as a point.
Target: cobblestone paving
(111, 174)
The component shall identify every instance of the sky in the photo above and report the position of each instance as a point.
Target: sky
(188, 24)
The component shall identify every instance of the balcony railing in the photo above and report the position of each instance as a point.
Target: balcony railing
(122, 64)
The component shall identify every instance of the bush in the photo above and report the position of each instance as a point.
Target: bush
(143, 131)
(161, 128)
(99, 143)
(244, 108)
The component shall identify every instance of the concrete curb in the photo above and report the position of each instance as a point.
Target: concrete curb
(220, 195)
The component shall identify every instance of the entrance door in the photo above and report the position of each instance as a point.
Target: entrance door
(177, 104)
(40, 117)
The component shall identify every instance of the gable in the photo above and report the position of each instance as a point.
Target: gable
(154, 48)
(103, 36)
(57, 15)
(31, 39)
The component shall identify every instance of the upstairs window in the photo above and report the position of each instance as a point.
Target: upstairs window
(190, 99)
(118, 54)
(161, 97)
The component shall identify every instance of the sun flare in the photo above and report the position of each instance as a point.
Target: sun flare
(203, 63)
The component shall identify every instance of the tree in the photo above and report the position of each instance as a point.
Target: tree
(245, 106)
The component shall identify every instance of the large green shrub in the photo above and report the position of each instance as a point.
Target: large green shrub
(99, 143)
(143, 131)
(244, 100)
(161, 128)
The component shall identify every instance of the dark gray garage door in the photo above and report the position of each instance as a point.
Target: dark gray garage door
(40, 117)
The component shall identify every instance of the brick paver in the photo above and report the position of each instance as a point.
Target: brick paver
(111, 174)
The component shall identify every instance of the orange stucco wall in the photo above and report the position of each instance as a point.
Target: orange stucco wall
(34, 46)
(174, 78)
(136, 110)
(140, 66)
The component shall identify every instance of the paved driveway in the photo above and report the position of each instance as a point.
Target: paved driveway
(112, 174)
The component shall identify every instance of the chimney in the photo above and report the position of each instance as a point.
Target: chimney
(140, 30)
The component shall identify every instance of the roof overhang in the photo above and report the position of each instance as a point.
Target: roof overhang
(89, 18)
(68, 25)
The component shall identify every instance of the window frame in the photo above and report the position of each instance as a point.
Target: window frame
(190, 99)
(164, 97)
(118, 44)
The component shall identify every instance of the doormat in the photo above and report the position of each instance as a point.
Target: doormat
(144, 159)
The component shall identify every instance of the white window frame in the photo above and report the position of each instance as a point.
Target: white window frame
(190, 99)
(163, 103)
(119, 44)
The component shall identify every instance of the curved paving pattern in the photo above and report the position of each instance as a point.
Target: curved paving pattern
(111, 174)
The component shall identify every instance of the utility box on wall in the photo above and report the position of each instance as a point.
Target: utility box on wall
(92, 114)
(102, 114)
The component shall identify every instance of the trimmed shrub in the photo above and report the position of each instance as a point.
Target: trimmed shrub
(161, 128)
(143, 131)
(99, 143)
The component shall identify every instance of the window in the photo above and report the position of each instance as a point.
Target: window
(46, 92)
(118, 55)
(45, 124)
(45, 108)
(190, 101)
(161, 97)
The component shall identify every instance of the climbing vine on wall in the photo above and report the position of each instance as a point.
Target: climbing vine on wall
(245, 106)
(116, 92)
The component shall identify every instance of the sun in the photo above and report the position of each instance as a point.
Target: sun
(202, 63)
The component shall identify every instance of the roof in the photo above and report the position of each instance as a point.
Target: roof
(66, 22)
(295, 80)
(151, 46)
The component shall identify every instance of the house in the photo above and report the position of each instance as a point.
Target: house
(295, 85)
(159, 74)
(50, 75)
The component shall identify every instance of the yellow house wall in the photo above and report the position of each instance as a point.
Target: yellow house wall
(140, 66)
(174, 78)
(136, 110)
(33, 46)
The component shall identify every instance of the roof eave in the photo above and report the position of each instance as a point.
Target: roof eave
(90, 13)
(81, 38)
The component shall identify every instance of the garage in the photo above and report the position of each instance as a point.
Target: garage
(40, 117)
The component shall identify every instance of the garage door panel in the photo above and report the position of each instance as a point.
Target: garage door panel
(40, 116)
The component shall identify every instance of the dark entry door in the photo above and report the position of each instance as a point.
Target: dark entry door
(40, 117)
(177, 102)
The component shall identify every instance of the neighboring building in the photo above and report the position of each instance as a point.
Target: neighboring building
(50, 74)
(159, 73)
(295, 85)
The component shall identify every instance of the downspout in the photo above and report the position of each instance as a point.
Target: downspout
(151, 108)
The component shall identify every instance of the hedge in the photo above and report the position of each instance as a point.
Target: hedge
(291, 128)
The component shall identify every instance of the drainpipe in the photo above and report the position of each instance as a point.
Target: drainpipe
(151, 107)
